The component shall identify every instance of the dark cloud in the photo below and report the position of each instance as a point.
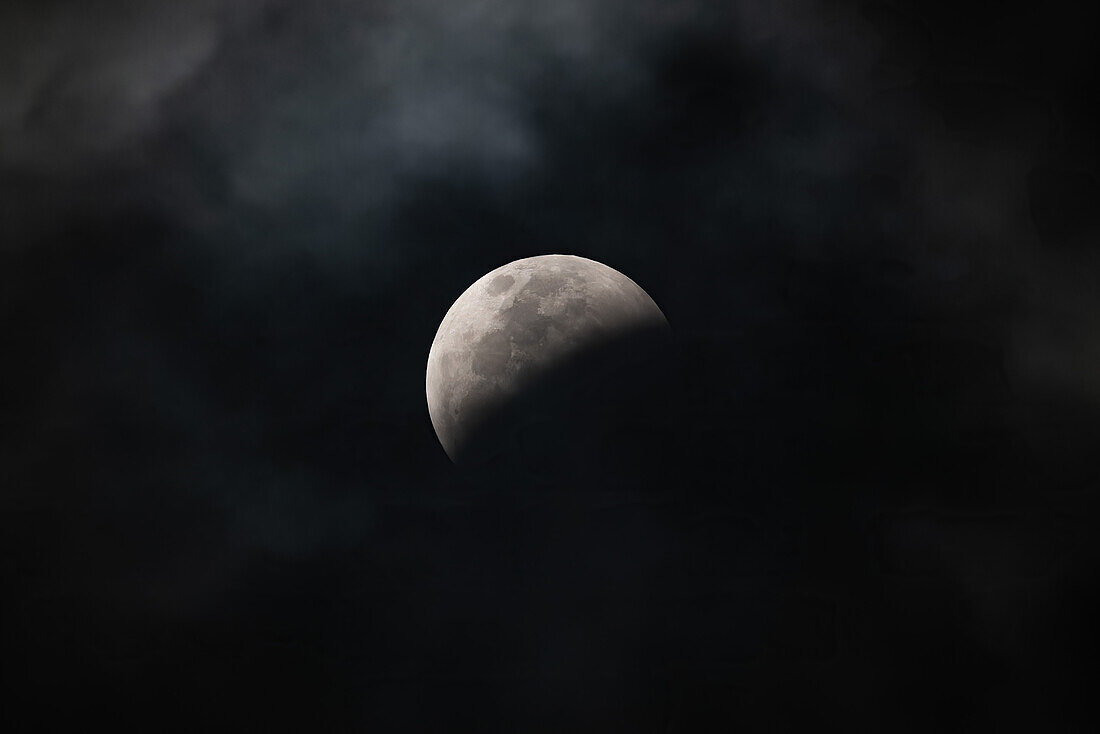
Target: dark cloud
(229, 231)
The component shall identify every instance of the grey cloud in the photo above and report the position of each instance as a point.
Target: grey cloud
(85, 78)
(277, 137)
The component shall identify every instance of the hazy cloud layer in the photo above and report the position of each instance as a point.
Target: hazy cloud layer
(229, 232)
(781, 145)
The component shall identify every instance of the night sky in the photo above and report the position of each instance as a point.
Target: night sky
(229, 231)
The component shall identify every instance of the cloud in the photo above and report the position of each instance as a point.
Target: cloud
(84, 78)
(334, 171)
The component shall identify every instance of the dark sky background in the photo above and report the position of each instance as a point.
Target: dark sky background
(228, 232)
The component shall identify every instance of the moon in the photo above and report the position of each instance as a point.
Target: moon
(535, 337)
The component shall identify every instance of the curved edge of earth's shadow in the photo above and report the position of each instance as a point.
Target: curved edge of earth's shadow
(604, 412)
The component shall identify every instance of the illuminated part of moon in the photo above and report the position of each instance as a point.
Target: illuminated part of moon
(517, 326)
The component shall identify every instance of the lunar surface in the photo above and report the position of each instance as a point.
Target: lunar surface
(543, 326)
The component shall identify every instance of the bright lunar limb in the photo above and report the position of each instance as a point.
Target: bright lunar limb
(518, 325)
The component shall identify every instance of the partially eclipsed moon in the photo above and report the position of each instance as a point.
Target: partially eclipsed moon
(517, 327)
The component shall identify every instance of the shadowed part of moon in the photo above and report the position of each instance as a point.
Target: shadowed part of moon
(552, 358)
